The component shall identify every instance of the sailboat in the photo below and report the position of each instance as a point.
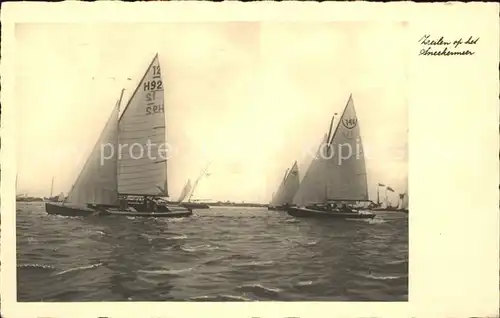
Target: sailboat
(103, 185)
(335, 185)
(287, 189)
(277, 194)
(185, 191)
(403, 205)
(196, 205)
(142, 178)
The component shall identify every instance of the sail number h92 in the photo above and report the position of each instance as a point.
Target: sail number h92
(154, 85)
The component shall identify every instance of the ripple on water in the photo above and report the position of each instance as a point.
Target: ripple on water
(216, 255)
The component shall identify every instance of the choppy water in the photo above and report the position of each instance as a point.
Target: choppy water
(220, 254)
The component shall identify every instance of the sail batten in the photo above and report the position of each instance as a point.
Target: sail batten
(142, 168)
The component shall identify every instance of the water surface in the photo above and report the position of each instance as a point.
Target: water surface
(220, 254)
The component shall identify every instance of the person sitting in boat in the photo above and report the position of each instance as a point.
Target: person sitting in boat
(124, 204)
(146, 203)
(344, 208)
(154, 205)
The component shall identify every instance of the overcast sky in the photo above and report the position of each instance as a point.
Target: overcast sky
(253, 97)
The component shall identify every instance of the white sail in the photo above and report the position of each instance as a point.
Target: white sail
(345, 165)
(404, 202)
(185, 191)
(97, 181)
(311, 188)
(275, 201)
(290, 186)
(142, 160)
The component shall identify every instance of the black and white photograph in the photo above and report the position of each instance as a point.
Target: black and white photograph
(211, 163)
(251, 162)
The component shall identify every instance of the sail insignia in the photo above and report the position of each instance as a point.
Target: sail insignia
(142, 163)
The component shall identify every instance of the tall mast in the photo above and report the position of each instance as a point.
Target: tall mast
(198, 180)
(52, 187)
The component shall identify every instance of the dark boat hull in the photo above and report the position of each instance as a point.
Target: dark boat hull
(313, 213)
(82, 210)
(188, 213)
(72, 210)
(277, 208)
(195, 205)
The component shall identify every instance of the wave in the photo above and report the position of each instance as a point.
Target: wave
(383, 277)
(167, 271)
(36, 266)
(397, 262)
(376, 220)
(254, 263)
(79, 268)
(177, 237)
(220, 298)
(260, 290)
(305, 283)
(198, 248)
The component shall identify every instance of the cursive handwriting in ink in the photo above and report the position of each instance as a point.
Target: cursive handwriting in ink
(440, 46)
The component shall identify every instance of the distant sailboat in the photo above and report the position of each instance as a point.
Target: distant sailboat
(185, 191)
(335, 186)
(403, 205)
(385, 205)
(287, 189)
(56, 198)
(197, 205)
(272, 205)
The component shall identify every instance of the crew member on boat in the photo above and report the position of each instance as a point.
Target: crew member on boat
(123, 203)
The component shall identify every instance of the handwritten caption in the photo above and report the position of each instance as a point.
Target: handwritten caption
(439, 46)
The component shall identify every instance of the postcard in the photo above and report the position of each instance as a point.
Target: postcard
(250, 159)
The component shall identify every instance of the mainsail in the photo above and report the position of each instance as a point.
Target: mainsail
(185, 191)
(345, 165)
(338, 172)
(97, 181)
(311, 188)
(142, 164)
